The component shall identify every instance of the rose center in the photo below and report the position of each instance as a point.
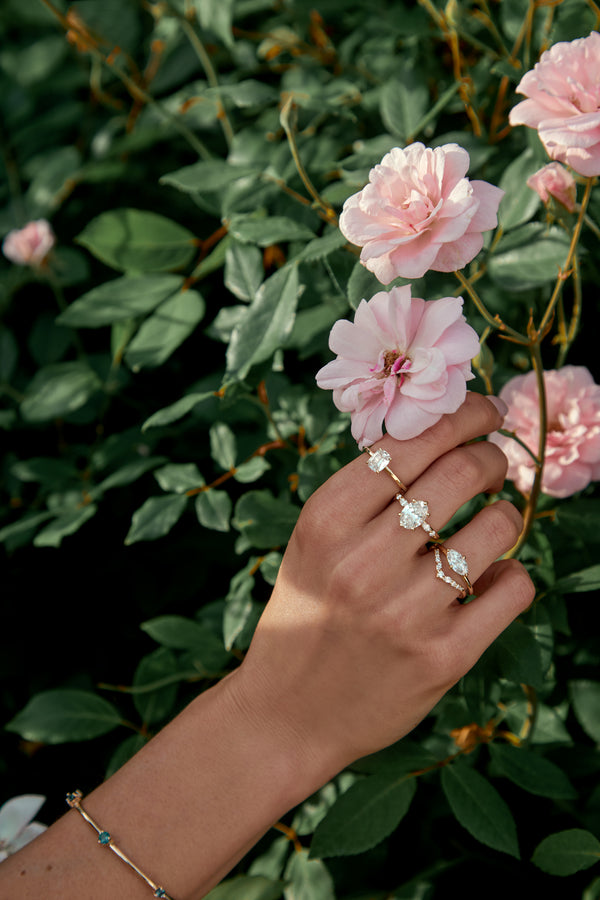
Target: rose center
(395, 363)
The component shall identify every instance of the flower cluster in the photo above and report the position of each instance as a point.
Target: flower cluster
(405, 361)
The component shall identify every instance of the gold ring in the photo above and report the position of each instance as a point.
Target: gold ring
(378, 462)
(458, 564)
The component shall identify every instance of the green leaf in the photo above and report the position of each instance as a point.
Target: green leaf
(176, 410)
(264, 520)
(122, 298)
(362, 285)
(180, 633)
(479, 808)
(223, 448)
(364, 815)
(244, 270)
(57, 390)
(321, 247)
(179, 477)
(268, 230)
(128, 473)
(528, 257)
(586, 705)
(579, 582)
(532, 772)
(216, 16)
(246, 93)
(213, 509)
(517, 655)
(22, 526)
(404, 102)
(308, 879)
(138, 240)
(247, 887)
(519, 202)
(251, 470)
(567, 852)
(156, 517)
(162, 333)
(206, 176)
(268, 322)
(155, 705)
(56, 716)
(64, 525)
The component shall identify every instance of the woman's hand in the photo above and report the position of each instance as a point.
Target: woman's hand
(360, 638)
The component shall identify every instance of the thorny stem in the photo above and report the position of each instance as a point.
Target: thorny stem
(575, 316)
(211, 76)
(495, 321)
(285, 121)
(569, 262)
(532, 500)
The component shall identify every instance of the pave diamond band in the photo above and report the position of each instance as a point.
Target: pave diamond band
(379, 462)
(458, 564)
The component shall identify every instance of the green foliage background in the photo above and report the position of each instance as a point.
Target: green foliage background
(161, 425)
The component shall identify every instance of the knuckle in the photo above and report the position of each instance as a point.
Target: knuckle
(503, 523)
(523, 588)
(465, 469)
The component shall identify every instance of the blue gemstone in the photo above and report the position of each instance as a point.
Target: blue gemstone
(104, 837)
(160, 892)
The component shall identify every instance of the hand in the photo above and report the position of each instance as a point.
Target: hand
(360, 639)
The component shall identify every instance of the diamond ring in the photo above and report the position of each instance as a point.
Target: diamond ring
(378, 462)
(458, 564)
(413, 515)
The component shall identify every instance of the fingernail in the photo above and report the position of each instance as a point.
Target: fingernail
(499, 404)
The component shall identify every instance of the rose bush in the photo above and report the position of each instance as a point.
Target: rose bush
(161, 425)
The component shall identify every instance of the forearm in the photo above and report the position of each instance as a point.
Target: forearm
(185, 810)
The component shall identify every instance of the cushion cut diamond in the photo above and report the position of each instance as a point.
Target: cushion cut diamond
(378, 460)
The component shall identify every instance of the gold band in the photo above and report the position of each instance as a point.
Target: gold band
(378, 462)
(104, 838)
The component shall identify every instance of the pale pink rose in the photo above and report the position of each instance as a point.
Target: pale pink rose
(573, 439)
(563, 103)
(404, 361)
(419, 212)
(555, 181)
(29, 246)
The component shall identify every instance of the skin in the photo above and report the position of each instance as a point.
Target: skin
(357, 644)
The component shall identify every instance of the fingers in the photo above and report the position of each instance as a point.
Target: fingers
(504, 592)
(409, 459)
(445, 486)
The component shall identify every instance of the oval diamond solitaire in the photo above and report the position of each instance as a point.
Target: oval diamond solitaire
(413, 515)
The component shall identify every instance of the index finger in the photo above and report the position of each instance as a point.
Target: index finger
(371, 492)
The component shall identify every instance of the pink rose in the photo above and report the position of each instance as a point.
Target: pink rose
(419, 212)
(555, 181)
(573, 440)
(29, 246)
(563, 103)
(404, 361)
